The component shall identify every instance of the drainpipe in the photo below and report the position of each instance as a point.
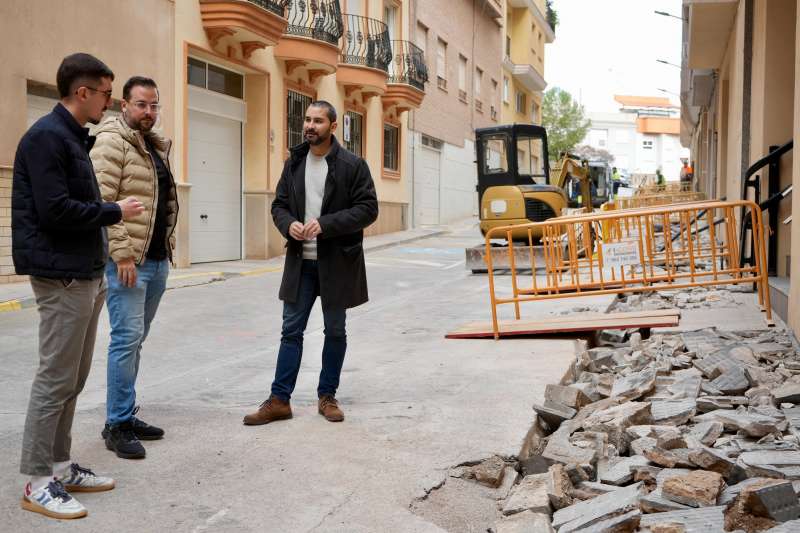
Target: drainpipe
(747, 84)
(412, 123)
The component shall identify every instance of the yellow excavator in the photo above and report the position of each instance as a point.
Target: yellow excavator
(515, 185)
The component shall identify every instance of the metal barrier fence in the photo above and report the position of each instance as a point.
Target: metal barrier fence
(634, 250)
(673, 193)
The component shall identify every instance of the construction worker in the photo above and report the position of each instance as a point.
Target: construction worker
(616, 180)
(660, 180)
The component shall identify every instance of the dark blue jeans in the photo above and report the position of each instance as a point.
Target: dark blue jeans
(295, 318)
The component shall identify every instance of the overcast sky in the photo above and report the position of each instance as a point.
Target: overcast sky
(609, 47)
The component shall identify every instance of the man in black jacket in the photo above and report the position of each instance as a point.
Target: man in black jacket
(58, 238)
(324, 200)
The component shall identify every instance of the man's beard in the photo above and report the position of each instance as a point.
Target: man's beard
(137, 124)
(319, 139)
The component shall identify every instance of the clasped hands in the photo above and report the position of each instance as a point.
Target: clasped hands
(305, 232)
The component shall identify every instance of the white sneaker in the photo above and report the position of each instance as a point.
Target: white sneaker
(79, 479)
(53, 501)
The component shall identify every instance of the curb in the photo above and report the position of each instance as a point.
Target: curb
(378, 247)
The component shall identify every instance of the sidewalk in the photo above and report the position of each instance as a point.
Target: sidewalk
(16, 296)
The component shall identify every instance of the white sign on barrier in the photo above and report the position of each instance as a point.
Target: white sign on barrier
(617, 254)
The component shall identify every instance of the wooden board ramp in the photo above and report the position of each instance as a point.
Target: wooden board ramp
(662, 318)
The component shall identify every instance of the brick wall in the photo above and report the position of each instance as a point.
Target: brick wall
(6, 265)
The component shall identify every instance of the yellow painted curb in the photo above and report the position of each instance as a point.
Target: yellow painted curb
(12, 305)
(261, 271)
(198, 275)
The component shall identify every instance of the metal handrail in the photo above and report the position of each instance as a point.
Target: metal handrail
(408, 65)
(274, 6)
(365, 42)
(315, 19)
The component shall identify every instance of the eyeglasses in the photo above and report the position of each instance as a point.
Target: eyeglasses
(107, 93)
(143, 106)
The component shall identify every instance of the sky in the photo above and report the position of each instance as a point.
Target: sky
(608, 47)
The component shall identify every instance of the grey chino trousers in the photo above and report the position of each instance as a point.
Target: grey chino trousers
(68, 314)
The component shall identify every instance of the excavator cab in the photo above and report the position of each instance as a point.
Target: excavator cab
(514, 185)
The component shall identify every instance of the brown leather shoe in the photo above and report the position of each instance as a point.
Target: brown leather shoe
(329, 408)
(271, 410)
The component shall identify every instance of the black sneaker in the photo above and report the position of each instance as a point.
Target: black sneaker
(122, 440)
(142, 429)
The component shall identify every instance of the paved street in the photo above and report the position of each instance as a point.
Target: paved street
(415, 404)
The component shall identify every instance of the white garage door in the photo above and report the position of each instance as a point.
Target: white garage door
(215, 172)
(426, 186)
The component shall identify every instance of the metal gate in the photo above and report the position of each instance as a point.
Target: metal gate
(296, 105)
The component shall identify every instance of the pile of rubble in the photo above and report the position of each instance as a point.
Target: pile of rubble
(696, 298)
(676, 433)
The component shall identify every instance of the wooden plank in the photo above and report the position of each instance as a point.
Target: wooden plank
(478, 330)
(598, 317)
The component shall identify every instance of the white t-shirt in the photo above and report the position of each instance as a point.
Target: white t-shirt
(316, 172)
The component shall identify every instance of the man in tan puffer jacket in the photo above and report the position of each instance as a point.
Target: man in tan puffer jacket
(130, 159)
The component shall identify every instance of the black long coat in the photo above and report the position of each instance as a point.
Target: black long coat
(349, 205)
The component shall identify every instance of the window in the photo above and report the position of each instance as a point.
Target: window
(354, 7)
(422, 37)
(391, 147)
(430, 142)
(441, 63)
(296, 105)
(505, 89)
(493, 109)
(478, 82)
(390, 17)
(535, 116)
(495, 160)
(508, 46)
(354, 132)
(214, 78)
(530, 154)
(462, 77)
(521, 101)
(647, 145)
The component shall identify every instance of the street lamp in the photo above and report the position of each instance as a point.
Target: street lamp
(665, 14)
(668, 63)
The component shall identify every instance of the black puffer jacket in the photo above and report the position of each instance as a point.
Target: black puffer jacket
(348, 206)
(57, 217)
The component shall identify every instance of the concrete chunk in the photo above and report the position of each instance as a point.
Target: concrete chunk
(788, 392)
(553, 414)
(707, 432)
(615, 420)
(732, 381)
(620, 469)
(625, 523)
(710, 403)
(715, 461)
(752, 424)
(559, 487)
(696, 489)
(529, 495)
(566, 395)
(634, 385)
(674, 412)
(590, 512)
(705, 520)
(524, 522)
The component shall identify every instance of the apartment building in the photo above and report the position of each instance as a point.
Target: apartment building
(739, 97)
(235, 78)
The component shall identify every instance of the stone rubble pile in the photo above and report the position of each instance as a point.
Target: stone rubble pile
(676, 433)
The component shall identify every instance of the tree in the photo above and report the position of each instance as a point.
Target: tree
(552, 16)
(565, 121)
(593, 154)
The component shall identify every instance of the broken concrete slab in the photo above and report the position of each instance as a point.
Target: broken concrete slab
(490, 472)
(553, 414)
(529, 495)
(586, 513)
(710, 403)
(510, 478)
(674, 412)
(669, 527)
(619, 471)
(566, 395)
(704, 520)
(615, 420)
(634, 385)
(731, 381)
(625, 523)
(751, 424)
(559, 487)
(771, 498)
(662, 457)
(716, 461)
(696, 489)
(524, 522)
(707, 433)
(788, 392)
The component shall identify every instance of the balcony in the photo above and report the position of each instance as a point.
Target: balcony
(528, 76)
(253, 24)
(311, 36)
(365, 56)
(407, 77)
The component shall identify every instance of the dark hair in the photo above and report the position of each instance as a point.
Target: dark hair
(137, 81)
(77, 69)
(327, 106)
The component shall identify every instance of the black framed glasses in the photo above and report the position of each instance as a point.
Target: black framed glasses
(107, 93)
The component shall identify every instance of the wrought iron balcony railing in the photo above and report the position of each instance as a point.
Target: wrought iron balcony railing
(408, 65)
(315, 19)
(275, 6)
(365, 42)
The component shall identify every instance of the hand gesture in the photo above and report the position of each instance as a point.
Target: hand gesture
(296, 231)
(311, 229)
(130, 207)
(126, 272)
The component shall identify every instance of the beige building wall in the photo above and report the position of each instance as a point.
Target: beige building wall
(132, 38)
(794, 290)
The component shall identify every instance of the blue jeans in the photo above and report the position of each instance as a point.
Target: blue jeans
(130, 311)
(295, 318)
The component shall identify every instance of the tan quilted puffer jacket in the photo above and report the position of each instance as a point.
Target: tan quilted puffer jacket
(125, 168)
